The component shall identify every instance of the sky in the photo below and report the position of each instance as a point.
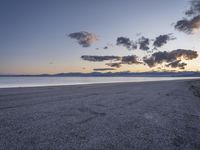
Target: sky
(48, 36)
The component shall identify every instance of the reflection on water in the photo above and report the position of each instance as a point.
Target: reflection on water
(6, 82)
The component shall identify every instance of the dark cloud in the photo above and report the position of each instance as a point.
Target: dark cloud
(144, 43)
(99, 58)
(192, 20)
(162, 39)
(194, 8)
(188, 25)
(169, 57)
(133, 59)
(85, 39)
(130, 60)
(106, 47)
(119, 60)
(134, 45)
(116, 65)
(126, 42)
(177, 64)
(103, 69)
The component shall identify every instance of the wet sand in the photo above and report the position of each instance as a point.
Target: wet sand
(118, 116)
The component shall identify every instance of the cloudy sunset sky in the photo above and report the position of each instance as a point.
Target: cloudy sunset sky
(54, 36)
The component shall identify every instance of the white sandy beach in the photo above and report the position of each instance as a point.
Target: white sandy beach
(153, 115)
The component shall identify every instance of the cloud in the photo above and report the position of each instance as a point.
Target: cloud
(191, 22)
(118, 60)
(126, 42)
(85, 39)
(194, 8)
(169, 57)
(162, 39)
(188, 26)
(103, 69)
(134, 45)
(177, 64)
(99, 58)
(144, 43)
(117, 65)
(130, 60)
(106, 47)
(133, 59)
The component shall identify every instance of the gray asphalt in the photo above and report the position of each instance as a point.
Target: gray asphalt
(120, 116)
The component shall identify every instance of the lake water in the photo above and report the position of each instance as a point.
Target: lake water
(8, 82)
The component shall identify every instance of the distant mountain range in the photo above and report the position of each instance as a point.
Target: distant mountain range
(115, 74)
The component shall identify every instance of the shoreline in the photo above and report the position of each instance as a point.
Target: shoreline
(145, 115)
(152, 79)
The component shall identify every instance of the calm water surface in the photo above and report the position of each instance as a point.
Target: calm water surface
(7, 82)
